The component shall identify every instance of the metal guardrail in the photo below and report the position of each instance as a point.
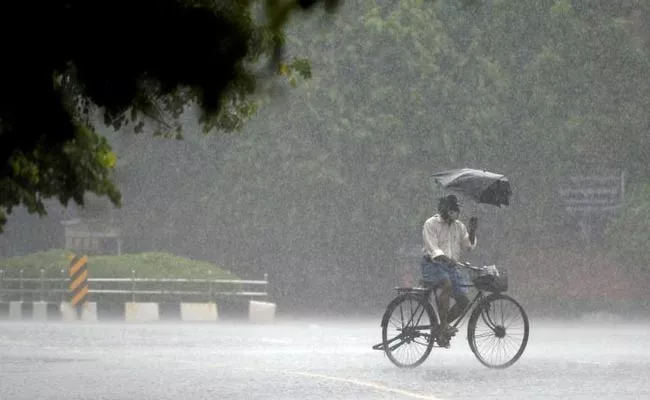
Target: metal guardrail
(56, 289)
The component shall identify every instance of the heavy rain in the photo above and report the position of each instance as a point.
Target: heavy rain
(249, 200)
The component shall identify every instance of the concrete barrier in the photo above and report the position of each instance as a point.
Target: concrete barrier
(257, 311)
(89, 311)
(39, 311)
(69, 312)
(15, 310)
(261, 311)
(29, 310)
(199, 312)
(141, 312)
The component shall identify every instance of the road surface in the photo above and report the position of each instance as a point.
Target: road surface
(309, 359)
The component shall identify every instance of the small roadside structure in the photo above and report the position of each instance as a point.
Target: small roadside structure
(94, 236)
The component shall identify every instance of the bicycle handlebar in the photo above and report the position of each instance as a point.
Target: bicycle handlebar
(466, 265)
(469, 266)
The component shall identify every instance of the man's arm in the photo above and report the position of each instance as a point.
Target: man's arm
(469, 234)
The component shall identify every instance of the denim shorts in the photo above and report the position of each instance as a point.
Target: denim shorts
(436, 271)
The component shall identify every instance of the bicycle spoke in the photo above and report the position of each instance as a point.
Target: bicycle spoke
(408, 330)
(499, 332)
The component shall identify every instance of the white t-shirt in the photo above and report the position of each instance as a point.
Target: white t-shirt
(448, 239)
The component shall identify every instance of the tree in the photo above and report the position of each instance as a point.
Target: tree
(135, 61)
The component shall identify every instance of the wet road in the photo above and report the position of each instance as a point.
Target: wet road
(308, 360)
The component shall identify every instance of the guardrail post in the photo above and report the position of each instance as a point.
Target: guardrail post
(266, 285)
(210, 285)
(21, 285)
(63, 280)
(42, 284)
(133, 285)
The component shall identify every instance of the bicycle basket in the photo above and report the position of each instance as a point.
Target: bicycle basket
(491, 282)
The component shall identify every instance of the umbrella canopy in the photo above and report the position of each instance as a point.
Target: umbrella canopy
(480, 185)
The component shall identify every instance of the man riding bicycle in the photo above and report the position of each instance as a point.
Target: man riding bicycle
(444, 237)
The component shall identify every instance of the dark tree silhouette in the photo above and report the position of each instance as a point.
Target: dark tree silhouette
(132, 60)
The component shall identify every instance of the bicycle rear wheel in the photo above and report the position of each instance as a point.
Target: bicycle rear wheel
(497, 331)
(407, 329)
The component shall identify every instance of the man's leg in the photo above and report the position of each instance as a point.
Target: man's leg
(445, 332)
(443, 302)
(461, 302)
(436, 274)
(458, 292)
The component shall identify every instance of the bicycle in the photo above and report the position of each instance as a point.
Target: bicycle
(414, 303)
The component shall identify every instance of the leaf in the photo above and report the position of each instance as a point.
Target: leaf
(303, 67)
(110, 159)
(283, 69)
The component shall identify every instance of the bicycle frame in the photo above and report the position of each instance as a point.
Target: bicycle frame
(480, 295)
(466, 311)
(428, 291)
(432, 291)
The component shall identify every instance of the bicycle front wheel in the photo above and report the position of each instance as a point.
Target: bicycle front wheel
(497, 331)
(407, 330)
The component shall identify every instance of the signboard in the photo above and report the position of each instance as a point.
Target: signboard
(597, 193)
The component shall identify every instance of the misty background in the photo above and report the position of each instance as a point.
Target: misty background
(327, 188)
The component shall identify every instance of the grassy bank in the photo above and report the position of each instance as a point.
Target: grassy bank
(145, 265)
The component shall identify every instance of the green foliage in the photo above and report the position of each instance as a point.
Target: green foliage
(52, 261)
(155, 265)
(145, 265)
(204, 52)
(399, 91)
(84, 163)
(531, 89)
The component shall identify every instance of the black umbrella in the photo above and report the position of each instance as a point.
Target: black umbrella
(479, 185)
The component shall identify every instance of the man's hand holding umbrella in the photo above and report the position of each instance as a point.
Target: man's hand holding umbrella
(471, 229)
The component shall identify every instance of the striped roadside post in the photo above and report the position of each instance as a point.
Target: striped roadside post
(78, 288)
